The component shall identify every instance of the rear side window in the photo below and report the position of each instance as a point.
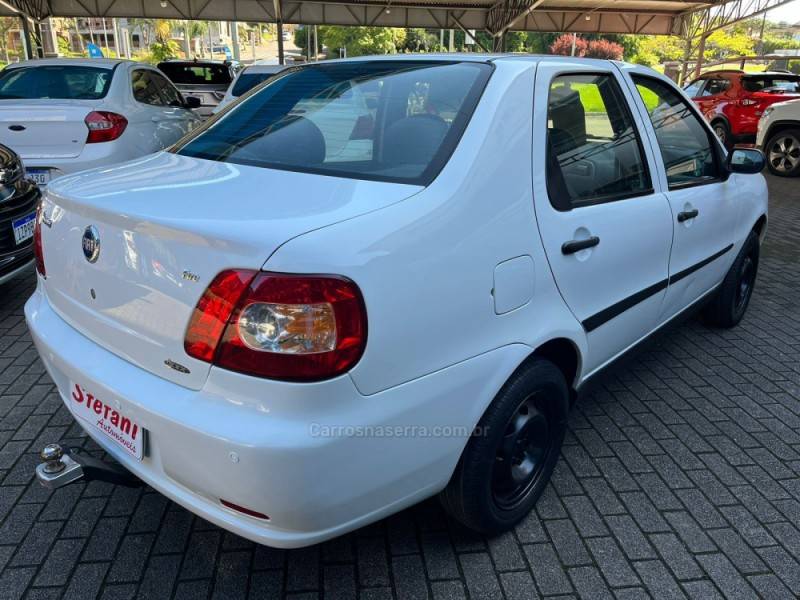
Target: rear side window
(145, 89)
(594, 153)
(196, 73)
(779, 84)
(68, 82)
(686, 145)
(247, 81)
(380, 120)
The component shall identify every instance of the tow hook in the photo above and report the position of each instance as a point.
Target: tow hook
(61, 466)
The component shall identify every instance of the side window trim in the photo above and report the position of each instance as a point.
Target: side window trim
(712, 138)
(646, 191)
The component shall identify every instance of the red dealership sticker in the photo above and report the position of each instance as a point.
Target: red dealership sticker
(114, 424)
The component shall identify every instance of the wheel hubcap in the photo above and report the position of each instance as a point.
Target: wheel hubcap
(747, 276)
(721, 133)
(784, 154)
(522, 452)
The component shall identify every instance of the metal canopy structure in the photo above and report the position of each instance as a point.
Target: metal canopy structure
(494, 16)
(665, 17)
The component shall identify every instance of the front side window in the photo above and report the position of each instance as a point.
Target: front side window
(594, 151)
(67, 82)
(169, 93)
(693, 89)
(145, 89)
(686, 145)
(380, 120)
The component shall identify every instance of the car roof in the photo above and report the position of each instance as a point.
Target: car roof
(194, 61)
(105, 63)
(474, 57)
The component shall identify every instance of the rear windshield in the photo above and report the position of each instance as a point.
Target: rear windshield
(781, 83)
(247, 81)
(382, 120)
(69, 82)
(196, 73)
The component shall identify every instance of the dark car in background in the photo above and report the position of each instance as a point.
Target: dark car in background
(19, 199)
(733, 101)
(204, 79)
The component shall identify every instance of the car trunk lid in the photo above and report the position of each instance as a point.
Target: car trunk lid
(166, 225)
(41, 129)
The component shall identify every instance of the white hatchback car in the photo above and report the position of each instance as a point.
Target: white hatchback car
(292, 345)
(67, 115)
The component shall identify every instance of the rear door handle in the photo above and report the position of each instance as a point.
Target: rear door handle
(574, 246)
(687, 214)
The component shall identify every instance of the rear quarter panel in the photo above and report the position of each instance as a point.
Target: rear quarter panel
(426, 264)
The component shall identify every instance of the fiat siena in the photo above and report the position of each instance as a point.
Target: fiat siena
(376, 280)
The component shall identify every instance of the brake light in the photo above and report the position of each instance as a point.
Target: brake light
(280, 326)
(104, 126)
(38, 250)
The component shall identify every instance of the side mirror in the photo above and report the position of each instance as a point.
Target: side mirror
(192, 102)
(746, 160)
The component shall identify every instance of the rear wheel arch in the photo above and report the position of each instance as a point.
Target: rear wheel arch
(564, 354)
(779, 126)
(760, 228)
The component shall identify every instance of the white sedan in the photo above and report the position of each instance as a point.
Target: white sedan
(68, 115)
(293, 342)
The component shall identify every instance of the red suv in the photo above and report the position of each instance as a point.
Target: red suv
(733, 101)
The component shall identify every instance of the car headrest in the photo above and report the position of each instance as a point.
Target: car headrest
(294, 140)
(413, 140)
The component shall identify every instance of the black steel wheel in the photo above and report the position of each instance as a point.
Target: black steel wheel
(507, 464)
(731, 300)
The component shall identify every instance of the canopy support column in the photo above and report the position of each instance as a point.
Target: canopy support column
(26, 35)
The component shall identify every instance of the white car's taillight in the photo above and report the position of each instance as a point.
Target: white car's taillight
(104, 126)
(292, 327)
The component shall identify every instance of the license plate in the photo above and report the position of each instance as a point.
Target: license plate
(39, 176)
(112, 422)
(23, 228)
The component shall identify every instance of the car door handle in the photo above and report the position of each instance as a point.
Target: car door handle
(687, 214)
(573, 246)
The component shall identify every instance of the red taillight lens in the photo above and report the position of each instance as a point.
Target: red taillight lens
(38, 251)
(104, 126)
(290, 327)
(213, 311)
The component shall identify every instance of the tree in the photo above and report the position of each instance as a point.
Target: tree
(361, 41)
(604, 49)
(563, 45)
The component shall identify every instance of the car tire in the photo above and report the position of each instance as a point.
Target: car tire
(508, 462)
(783, 153)
(723, 132)
(730, 302)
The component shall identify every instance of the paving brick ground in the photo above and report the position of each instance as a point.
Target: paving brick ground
(680, 478)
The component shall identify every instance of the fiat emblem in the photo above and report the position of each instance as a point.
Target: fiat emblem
(91, 243)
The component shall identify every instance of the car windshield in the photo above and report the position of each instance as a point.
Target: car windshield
(779, 83)
(68, 82)
(247, 81)
(379, 120)
(196, 73)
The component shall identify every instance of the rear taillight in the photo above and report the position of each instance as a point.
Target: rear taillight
(104, 126)
(290, 327)
(38, 251)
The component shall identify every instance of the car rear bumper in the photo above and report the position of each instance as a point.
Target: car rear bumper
(318, 459)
